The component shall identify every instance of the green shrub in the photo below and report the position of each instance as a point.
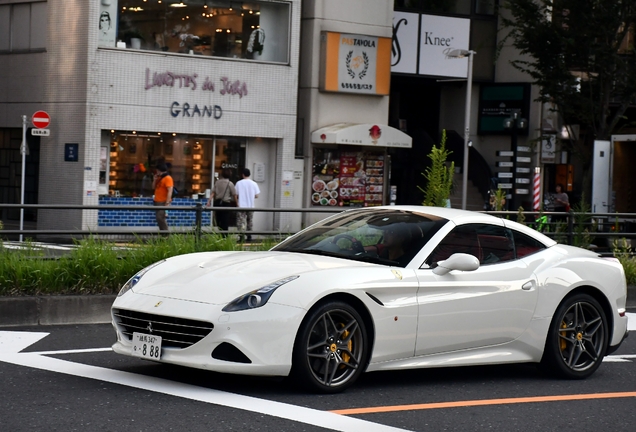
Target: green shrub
(98, 266)
(623, 251)
(439, 176)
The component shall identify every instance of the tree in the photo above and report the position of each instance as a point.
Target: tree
(581, 55)
(439, 176)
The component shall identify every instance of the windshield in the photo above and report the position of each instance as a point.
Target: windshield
(382, 236)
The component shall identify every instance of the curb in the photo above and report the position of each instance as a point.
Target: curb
(89, 309)
(54, 310)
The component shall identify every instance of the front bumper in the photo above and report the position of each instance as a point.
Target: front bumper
(264, 335)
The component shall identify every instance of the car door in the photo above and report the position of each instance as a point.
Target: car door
(488, 306)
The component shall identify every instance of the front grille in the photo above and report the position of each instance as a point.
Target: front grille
(174, 332)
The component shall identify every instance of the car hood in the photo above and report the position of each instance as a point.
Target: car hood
(220, 277)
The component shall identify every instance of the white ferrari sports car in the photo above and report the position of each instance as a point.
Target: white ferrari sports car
(380, 288)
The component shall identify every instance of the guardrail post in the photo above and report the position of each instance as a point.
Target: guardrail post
(197, 228)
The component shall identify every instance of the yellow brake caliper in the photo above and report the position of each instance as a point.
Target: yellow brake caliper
(346, 356)
(562, 344)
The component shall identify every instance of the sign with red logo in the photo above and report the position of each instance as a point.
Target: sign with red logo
(41, 119)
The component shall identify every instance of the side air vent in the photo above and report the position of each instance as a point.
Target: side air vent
(230, 353)
(375, 299)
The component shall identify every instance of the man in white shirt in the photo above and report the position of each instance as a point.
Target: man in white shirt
(247, 191)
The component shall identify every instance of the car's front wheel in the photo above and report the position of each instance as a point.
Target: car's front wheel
(577, 338)
(331, 348)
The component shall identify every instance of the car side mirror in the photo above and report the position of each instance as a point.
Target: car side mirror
(458, 261)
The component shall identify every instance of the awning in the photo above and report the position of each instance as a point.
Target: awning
(369, 134)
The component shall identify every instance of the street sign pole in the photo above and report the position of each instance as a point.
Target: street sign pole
(23, 153)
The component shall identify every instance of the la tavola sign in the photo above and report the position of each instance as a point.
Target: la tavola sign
(352, 63)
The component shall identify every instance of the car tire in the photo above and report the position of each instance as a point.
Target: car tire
(577, 338)
(331, 348)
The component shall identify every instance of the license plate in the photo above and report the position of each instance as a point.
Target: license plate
(146, 346)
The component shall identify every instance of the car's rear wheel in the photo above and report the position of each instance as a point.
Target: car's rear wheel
(577, 339)
(331, 348)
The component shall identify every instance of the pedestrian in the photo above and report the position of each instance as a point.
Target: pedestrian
(247, 191)
(223, 195)
(561, 203)
(163, 185)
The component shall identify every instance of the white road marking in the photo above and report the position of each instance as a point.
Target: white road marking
(13, 342)
(75, 351)
(619, 358)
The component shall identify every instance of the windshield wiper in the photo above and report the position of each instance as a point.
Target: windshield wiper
(317, 252)
(375, 260)
(360, 257)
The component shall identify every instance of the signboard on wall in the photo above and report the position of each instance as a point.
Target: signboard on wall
(353, 63)
(421, 43)
(404, 47)
(438, 36)
(107, 23)
(497, 102)
(71, 152)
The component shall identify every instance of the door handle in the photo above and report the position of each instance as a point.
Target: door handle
(527, 286)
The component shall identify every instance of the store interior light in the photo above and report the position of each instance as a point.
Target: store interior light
(178, 5)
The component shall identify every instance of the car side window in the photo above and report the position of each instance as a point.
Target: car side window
(525, 245)
(495, 243)
(489, 243)
(462, 239)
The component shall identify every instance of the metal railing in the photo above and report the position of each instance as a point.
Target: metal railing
(198, 229)
(602, 225)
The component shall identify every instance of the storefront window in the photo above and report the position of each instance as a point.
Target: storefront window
(348, 178)
(246, 30)
(134, 156)
(229, 153)
(103, 161)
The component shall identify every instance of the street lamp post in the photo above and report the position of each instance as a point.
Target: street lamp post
(460, 53)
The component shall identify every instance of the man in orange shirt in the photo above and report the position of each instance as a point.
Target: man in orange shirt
(163, 185)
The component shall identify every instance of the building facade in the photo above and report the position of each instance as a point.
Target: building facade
(328, 103)
(200, 85)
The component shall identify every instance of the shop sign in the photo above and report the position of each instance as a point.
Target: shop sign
(497, 102)
(439, 35)
(548, 149)
(227, 86)
(348, 179)
(71, 152)
(187, 110)
(421, 43)
(352, 63)
(362, 134)
(404, 43)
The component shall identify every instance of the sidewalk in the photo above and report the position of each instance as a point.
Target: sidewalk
(90, 309)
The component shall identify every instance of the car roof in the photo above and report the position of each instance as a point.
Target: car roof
(460, 217)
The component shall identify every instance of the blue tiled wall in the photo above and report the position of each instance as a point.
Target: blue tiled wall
(143, 218)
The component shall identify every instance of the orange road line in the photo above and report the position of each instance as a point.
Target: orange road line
(469, 403)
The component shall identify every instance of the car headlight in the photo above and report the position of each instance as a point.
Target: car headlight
(256, 298)
(133, 280)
